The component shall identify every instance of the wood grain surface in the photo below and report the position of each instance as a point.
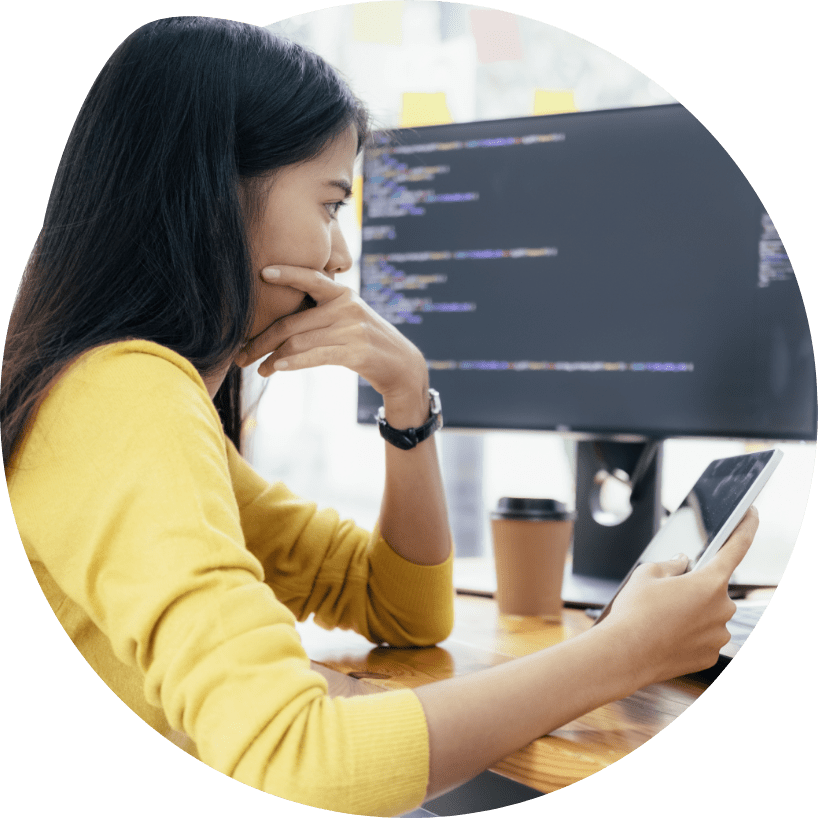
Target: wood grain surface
(482, 638)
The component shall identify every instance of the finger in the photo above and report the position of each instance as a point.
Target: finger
(734, 550)
(316, 284)
(319, 356)
(305, 320)
(286, 328)
(657, 570)
(301, 343)
(673, 567)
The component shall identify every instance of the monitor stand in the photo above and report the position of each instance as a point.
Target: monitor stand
(606, 545)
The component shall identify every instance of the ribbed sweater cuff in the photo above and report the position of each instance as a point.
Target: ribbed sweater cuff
(392, 727)
(406, 584)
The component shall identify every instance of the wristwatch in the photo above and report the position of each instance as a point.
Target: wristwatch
(409, 438)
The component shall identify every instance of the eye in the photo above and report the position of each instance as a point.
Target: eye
(334, 207)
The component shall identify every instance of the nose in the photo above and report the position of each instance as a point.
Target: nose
(340, 259)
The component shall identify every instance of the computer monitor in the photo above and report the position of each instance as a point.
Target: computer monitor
(610, 275)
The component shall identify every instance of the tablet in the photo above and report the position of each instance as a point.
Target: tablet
(708, 515)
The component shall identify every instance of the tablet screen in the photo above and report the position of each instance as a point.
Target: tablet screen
(700, 518)
(710, 503)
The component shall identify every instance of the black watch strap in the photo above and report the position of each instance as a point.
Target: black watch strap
(409, 438)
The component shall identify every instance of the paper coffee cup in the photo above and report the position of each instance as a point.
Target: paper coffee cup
(531, 538)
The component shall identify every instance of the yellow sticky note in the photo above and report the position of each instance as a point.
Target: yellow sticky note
(380, 22)
(424, 109)
(553, 102)
(358, 198)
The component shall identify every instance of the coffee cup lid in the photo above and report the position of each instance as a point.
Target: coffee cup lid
(527, 508)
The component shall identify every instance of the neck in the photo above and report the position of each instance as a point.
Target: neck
(213, 381)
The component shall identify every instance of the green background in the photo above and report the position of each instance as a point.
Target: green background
(747, 72)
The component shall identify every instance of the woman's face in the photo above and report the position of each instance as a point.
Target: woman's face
(298, 227)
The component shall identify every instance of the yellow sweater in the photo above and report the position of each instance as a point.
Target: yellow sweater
(178, 573)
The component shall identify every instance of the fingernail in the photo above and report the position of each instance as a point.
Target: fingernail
(280, 365)
(271, 272)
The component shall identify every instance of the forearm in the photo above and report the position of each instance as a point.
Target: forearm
(343, 330)
(478, 719)
(413, 518)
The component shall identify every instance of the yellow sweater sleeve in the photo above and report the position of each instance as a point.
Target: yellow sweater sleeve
(123, 496)
(349, 578)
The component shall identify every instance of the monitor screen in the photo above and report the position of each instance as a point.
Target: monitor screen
(604, 273)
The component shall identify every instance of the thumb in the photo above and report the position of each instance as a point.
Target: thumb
(732, 552)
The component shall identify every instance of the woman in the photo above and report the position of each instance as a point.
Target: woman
(191, 231)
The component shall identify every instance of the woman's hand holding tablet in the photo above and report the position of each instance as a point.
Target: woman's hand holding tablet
(674, 621)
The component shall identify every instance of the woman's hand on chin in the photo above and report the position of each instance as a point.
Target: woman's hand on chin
(341, 330)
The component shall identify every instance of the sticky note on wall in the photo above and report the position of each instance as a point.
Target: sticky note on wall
(358, 197)
(424, 109)
(553, 102)
(380, 22)
(496, 34)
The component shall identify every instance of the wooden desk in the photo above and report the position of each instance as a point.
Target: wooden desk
(482, 637)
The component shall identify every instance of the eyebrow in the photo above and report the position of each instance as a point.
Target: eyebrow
(341, 184)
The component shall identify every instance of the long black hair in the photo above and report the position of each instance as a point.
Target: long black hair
(145, 234)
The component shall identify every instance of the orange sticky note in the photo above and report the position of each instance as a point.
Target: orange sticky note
(424, 109)
(553, 102)
(379, 22)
